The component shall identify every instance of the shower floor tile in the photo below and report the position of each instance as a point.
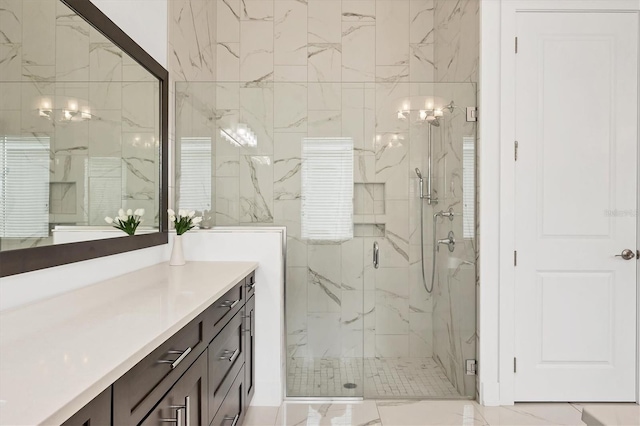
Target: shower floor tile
(383, 378)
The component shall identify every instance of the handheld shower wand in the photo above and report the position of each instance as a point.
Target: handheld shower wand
(420, 182)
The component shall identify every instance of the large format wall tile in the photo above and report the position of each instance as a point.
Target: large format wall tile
(358, 51)
(392, 32)
(290, 32)
(256, 50)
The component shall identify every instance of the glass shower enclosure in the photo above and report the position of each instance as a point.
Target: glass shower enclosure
(380, 283)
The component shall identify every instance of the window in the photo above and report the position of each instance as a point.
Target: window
(327, 189)
(468, 187)
(195, 174)
(24, 187)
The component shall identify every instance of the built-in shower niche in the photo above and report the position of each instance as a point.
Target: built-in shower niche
(62, 198)
(369, 204)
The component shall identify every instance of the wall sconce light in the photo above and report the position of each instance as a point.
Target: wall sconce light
(71, 113)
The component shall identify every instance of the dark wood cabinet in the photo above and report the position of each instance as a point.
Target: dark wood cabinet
(202, 375)
(250, 285)
(226, 358)
(186, 402)
(139, 389)
(95, 413)
(233, 408)
(250, 349)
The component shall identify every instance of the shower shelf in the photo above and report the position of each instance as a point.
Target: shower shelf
(369, 219)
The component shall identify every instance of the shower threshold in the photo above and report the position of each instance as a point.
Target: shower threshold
(384, 378)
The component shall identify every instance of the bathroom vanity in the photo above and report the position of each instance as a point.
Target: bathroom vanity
(162, 345)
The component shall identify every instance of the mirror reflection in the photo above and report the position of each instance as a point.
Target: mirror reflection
(79, 130)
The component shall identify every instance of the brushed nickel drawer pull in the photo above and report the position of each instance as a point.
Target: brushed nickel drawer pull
(174, 363)
(233, 356)
(178, 418)
(235, 419)
(229, 304)
(251, 285)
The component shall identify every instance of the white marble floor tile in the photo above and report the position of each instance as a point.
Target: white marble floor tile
(609, 413)
(414, 413)
(335, 414)
(532, 414)
(261, 416)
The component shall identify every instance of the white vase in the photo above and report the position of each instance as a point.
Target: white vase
(177, 254)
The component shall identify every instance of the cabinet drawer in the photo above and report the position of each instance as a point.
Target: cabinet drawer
(136, 393)
(218, 314)
(250, 285)
(226, 357)
(232, 411)
(186, 402)
(95, 413)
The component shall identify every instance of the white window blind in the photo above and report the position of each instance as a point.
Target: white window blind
(468, 187)
(327, 189)
(195, 174)
(24, 187)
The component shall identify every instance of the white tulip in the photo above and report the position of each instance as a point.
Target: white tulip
(139, 212)
(108, 220)
(182, 213)
(121, 213)
(171, 212)
(196, 220)
(172, 218)
(192, 213)
(129, 212)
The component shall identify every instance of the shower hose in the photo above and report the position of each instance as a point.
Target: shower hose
(433, 266)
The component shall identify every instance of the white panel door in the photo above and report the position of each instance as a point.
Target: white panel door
(576, 197)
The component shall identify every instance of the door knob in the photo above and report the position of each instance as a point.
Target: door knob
(626, 254)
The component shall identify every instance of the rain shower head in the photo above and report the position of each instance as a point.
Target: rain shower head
(434, 121)
(418, 173)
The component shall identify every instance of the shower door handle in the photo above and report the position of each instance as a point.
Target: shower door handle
(376, 255)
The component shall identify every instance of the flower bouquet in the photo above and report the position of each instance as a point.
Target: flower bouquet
(126, 221)
(183, 222)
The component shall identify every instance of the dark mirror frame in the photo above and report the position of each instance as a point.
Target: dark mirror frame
(14, 262)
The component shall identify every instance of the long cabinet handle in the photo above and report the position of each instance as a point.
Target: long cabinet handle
(229, 304)
(174, 363)
(187, 410)
(178, 419)
(233, 356)
(235, 419)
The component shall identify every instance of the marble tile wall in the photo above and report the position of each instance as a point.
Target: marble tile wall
(51, 58)
(456, 50)
(192, 44)
(292, 69)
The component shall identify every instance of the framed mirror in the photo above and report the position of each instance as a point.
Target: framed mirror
(83, 134)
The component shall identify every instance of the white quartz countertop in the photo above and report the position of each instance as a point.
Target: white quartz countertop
(56, 355)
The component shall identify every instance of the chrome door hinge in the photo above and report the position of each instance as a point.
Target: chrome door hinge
(515, 151)
(472, 367)
(472, 114)
(515, 258)
(514, 364)
(516, 44)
